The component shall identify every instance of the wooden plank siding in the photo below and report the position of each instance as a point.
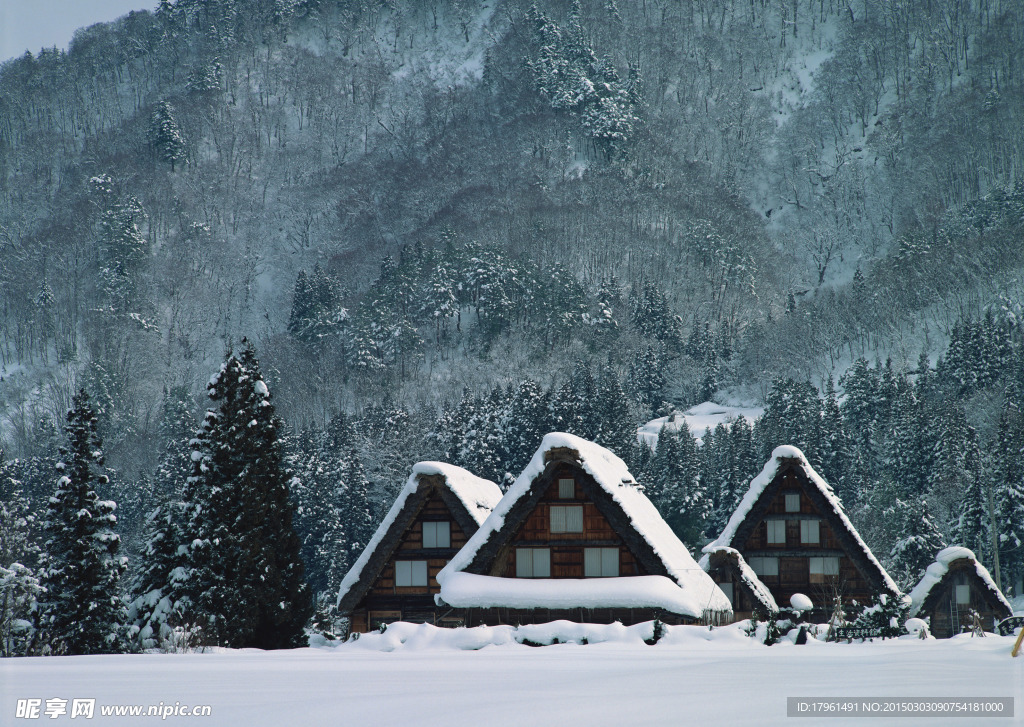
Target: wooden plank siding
(411, 548)
(794, 555)
(948, 618)
(566, 548)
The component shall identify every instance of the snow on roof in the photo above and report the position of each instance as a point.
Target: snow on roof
(750, 578)
(758, 485)
(699, 419)
(480, 496)
(468, 590)
(934, 574)
(612, 475)
(477, 494)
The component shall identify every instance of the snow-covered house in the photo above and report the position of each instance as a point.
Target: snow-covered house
(575, 538)
(740, 584)
(791, 529)
(395, 578)
(952, 587)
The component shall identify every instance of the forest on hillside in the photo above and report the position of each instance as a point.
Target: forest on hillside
(449, 226)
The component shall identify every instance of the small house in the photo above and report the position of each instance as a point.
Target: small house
(395, 578)
(790, 528)
(575, 538)
(953, 587)
(737, 580)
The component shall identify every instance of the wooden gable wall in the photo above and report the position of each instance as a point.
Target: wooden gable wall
(567, 549)
(386, 601)
(947, 617)
(794, 555)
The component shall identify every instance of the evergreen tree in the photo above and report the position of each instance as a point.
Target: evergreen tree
(616, 428)
(165, 135)
(675, 488)
(1008, 489)
(245, 584)
(917, 541)
(357, 520)
(647, 379)
(83, 612)
(19, 560)
(157, 588)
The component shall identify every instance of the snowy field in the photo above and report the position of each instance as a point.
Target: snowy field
(686, 679)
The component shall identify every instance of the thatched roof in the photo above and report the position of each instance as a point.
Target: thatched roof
(936, 581)
(469, 498)
(763, 488)
(608, 483)
(730, 560)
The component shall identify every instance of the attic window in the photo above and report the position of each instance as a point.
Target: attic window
(727, 590)
(792, 502)
(567, 518)
(600, 562)
(437, 535)
(410, 573)
(533, 563)
(776, 532)
(566, 488)
(963, 595)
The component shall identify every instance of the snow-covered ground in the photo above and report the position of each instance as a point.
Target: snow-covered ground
(700, 419)
(686, 679)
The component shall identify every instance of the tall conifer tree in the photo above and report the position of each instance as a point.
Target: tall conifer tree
(246, 582)
(82, 611)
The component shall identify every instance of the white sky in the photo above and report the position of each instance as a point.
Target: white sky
(34, 24)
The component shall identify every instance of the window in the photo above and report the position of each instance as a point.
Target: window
(566, 488)
(533, 563)
(567, 518)
(810, 532)
(765, 566)
(963, 595)
(600, 562)
(792, 502)
(776, 531)
(437, 535)
(825, 566)
(410, 573)
(727, 590)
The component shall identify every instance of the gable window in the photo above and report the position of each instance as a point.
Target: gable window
(566, 488)
(600, 562)
(437, 535)
(810, 532)
(764, 566)
(567, 518)
(821, 567)
(963, 595)
(792, 502)
(533, 563)
(776, 531)
(410, 573)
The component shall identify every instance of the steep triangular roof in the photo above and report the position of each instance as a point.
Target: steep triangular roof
(469, 498)
(677, 584)
(755, 503)
(725, 558)
(925, 593)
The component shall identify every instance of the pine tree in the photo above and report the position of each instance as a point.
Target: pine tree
(158, 585)
(83, 612)
(917, 541)
(1008, 489)
(19, 560)
(165, 134)
(245, 584)
(357, 520)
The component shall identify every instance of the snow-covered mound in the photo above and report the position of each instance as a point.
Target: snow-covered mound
(698, 419)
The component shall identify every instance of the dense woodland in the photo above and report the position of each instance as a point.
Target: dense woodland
(446, 228)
